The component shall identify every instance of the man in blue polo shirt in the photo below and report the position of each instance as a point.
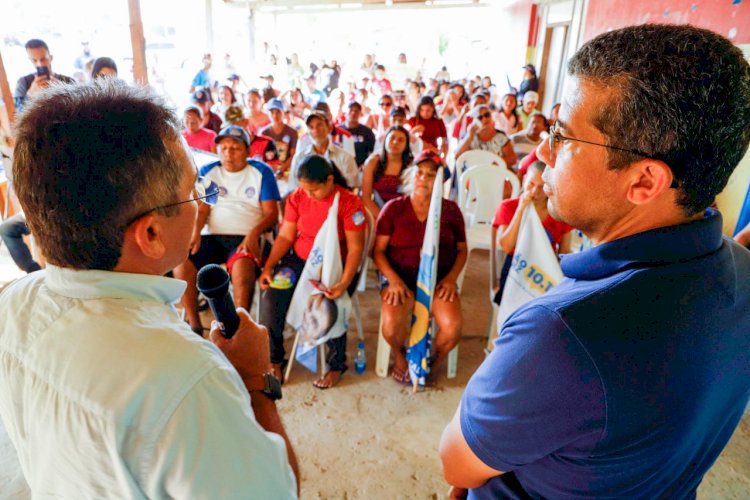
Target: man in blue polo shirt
(628, 379)
(247, 207)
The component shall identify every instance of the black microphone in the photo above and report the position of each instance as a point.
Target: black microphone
(213, 282)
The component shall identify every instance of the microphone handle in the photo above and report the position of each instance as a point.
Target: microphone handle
(226, 314)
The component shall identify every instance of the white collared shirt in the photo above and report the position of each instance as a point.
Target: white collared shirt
(343, 160)
(105, 393)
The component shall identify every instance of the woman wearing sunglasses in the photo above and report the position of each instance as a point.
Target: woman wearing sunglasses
(483, 135)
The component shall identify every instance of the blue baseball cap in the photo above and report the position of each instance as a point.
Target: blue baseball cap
(275, 103)
(235, 132)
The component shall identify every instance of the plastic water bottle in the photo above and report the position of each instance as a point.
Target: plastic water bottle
(360, 361)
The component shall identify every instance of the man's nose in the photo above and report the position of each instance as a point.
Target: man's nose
(542, 152)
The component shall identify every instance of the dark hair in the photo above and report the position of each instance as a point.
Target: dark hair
(88, 159)
(425, 100)
(101, 63)
(355, 104)
(406, 155)
(221, 89)
(315, 168)
(536, 165)
(254, 92)
(537, 114)
(195, 110)
(664, 97)
(36, 43)
(324, 107)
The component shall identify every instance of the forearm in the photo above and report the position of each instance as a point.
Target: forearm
(509, 236)
(280, 248)
(353, 258)
(384, 266)
(458, 265)
(268, 417)
(267, 222)
(465, 144)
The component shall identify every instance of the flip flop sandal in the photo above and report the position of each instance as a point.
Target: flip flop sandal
(401, 376)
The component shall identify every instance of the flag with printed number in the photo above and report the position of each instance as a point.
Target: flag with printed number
(533, 271)
(315, 317)
(418, 352)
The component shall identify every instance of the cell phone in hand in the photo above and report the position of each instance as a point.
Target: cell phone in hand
(319, 286)
(42, 71)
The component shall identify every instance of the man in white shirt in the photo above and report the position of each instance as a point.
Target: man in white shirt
(105, 392)
(319, 130)
(246, 208)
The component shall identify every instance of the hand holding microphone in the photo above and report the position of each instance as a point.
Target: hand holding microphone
(244, 342)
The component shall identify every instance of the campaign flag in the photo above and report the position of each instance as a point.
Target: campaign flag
(315, 317)
(418, 352)
(534, 270)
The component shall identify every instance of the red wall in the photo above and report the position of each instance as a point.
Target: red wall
(730, 18)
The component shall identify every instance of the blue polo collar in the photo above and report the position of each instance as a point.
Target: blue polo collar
(659, 246)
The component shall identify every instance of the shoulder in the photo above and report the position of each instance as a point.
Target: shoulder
(510, 203)
(395, 205)
(64, 78)
(205, 169)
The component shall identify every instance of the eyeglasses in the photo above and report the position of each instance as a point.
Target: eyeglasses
(386, 104)
(555, 138)
(204, 190)
(483, 116)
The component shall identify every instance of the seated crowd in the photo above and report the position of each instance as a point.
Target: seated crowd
(283, 155)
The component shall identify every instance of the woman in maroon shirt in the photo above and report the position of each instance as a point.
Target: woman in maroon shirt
(400, 232)
(381, 175)
(429, 127)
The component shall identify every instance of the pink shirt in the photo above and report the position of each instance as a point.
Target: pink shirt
(203, 139)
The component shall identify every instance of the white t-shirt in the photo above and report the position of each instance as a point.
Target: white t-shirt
(523, 145)
(343, 160)
(238, 208)
(105, 393)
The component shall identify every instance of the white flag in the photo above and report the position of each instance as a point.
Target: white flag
(315, 317)
(534, 270)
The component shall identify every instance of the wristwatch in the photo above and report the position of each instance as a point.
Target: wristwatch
(267, 383)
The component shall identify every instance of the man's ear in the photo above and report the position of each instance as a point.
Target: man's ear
(649, 179)
(148, 237)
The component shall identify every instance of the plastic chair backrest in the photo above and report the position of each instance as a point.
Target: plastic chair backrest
(480, 191)
(476, 157)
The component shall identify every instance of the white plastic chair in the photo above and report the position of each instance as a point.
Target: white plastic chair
(480, 191)
(475, 157)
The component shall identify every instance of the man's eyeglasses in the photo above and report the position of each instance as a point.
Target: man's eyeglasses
(386, 104)
(555, 138)
(483, 116)
(204, 190)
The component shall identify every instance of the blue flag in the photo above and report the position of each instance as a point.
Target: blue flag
(418, 352)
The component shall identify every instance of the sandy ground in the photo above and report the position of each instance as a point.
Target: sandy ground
(371, 438)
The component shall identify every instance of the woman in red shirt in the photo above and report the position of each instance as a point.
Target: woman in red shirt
(400, 232)
(381, 175)
(305, 212)
(431, 129)
(507, 221)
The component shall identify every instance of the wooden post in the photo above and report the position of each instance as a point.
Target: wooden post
(10, 107)
(140, 72)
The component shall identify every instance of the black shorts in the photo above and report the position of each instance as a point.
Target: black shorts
(215, 249)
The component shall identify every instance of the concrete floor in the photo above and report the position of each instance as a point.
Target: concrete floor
(728, 479)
